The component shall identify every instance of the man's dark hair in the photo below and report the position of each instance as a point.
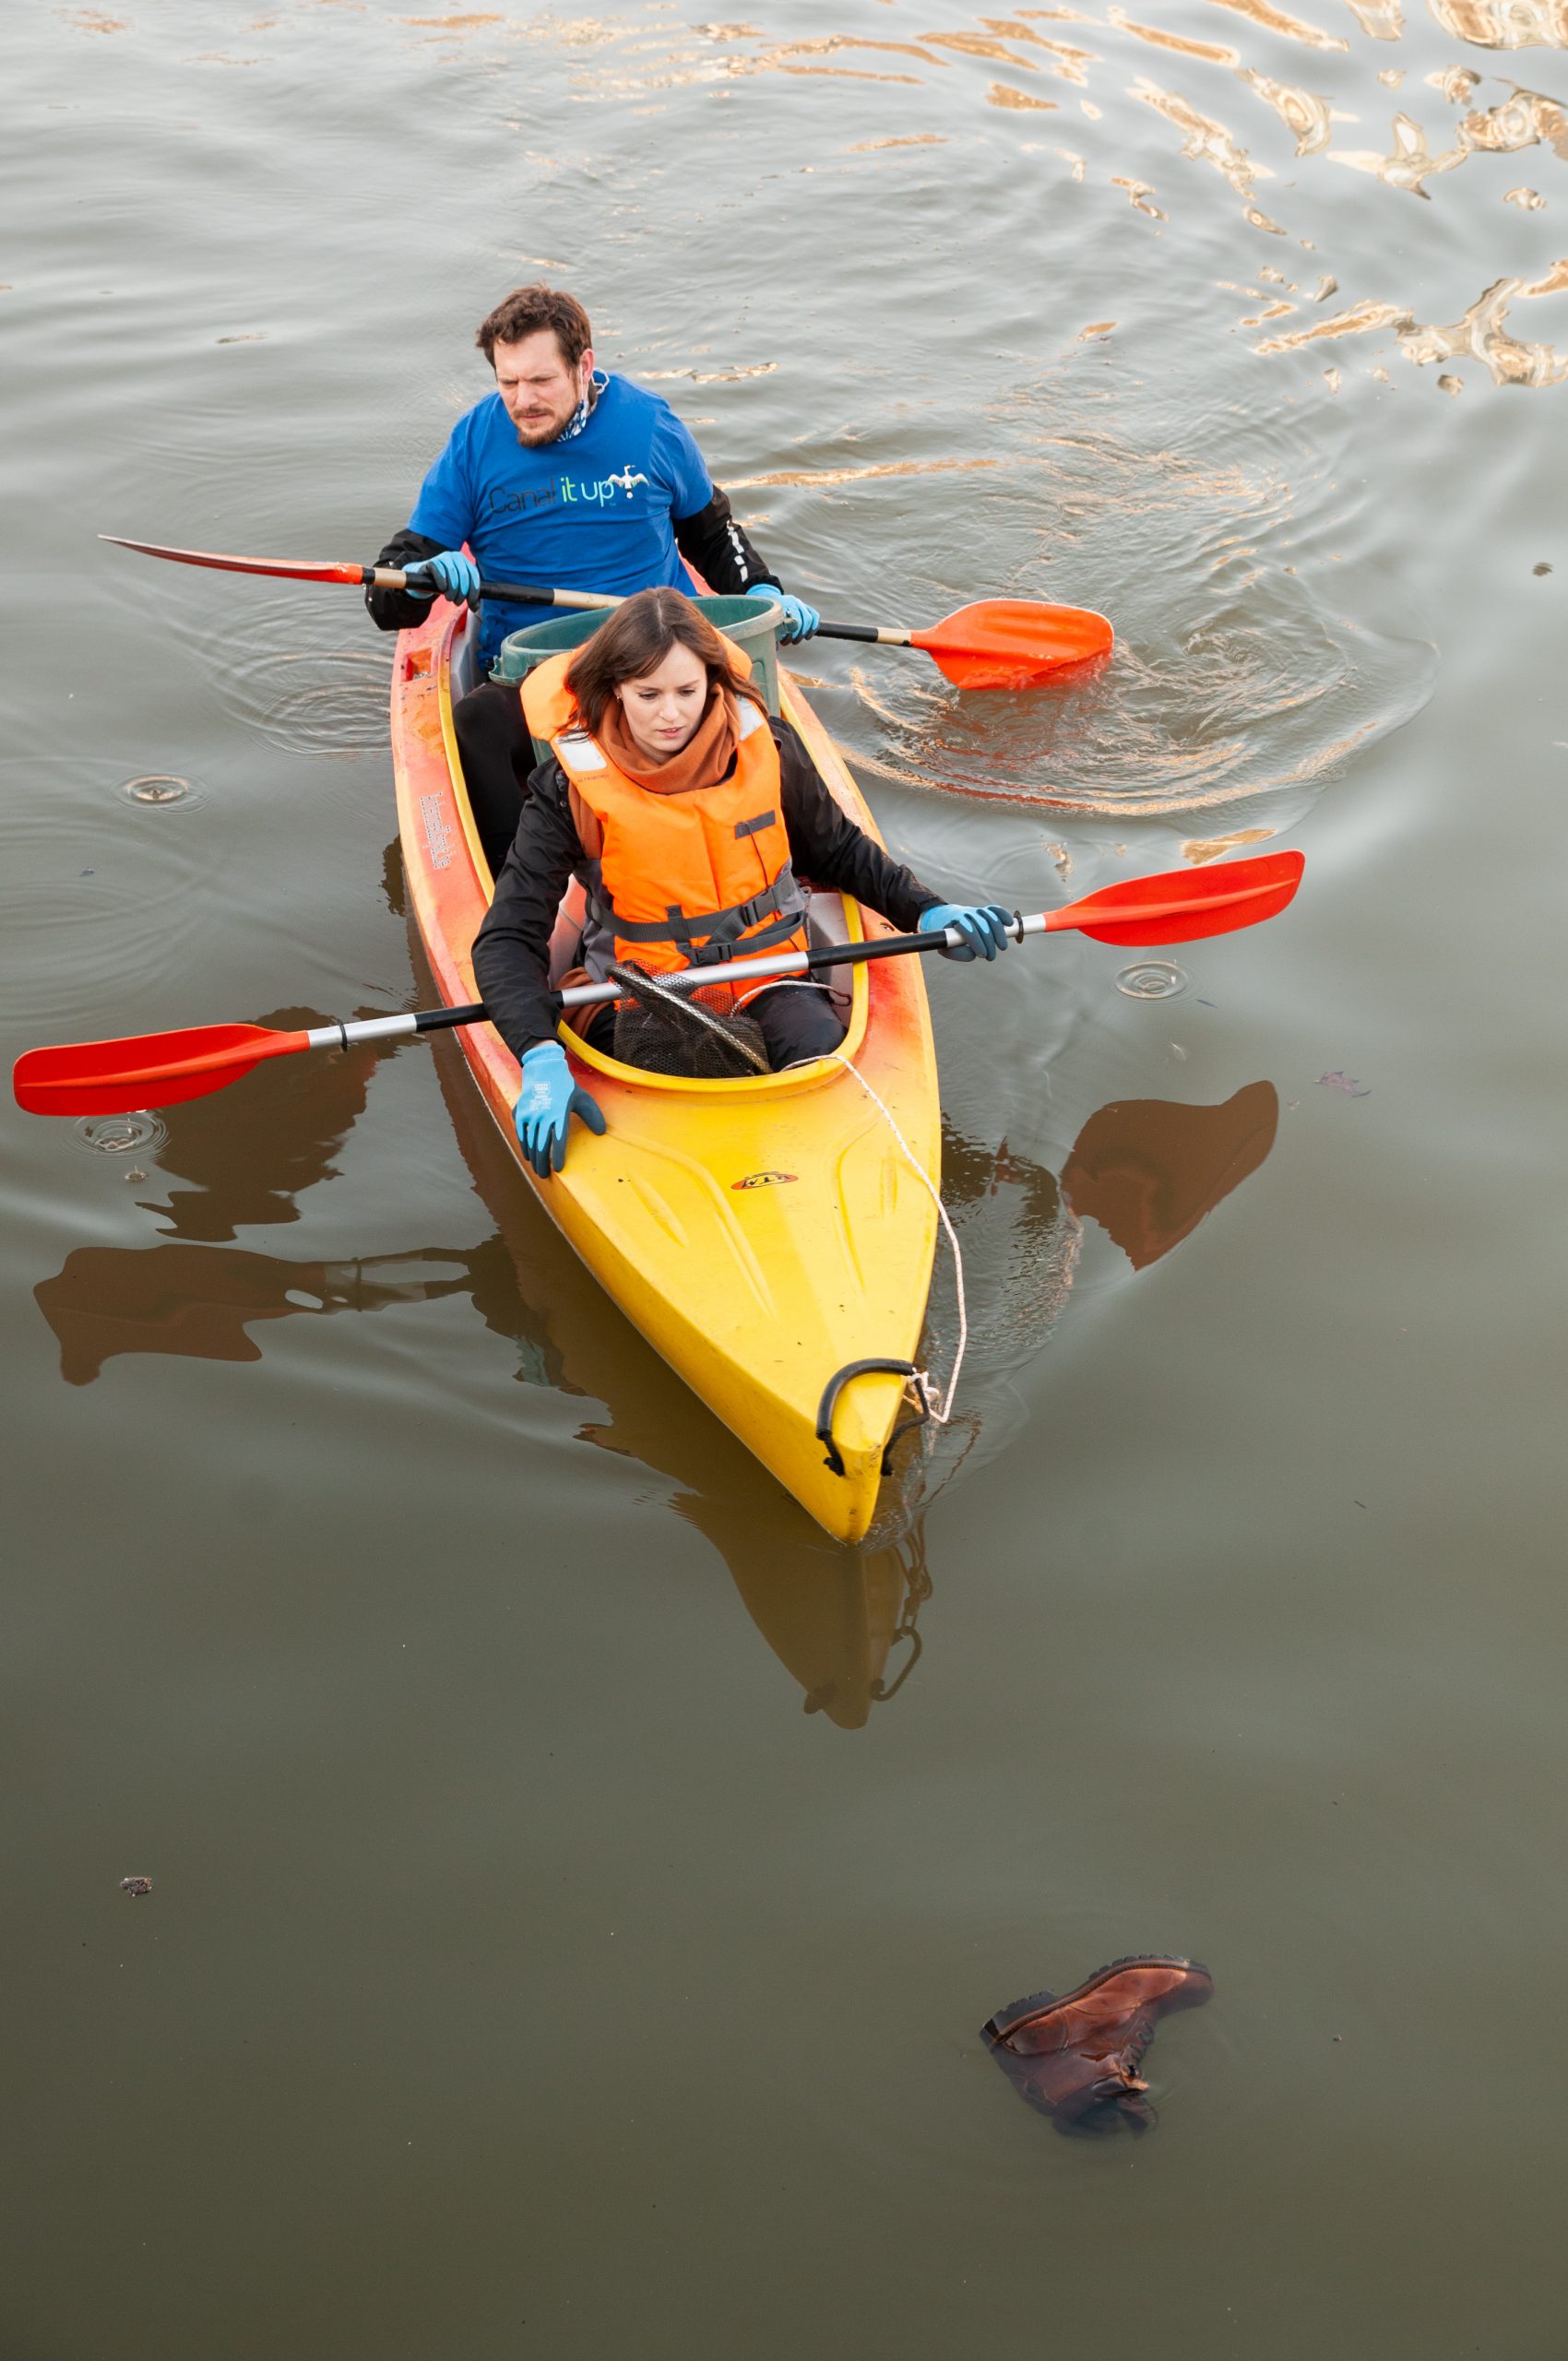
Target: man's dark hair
(528, 309)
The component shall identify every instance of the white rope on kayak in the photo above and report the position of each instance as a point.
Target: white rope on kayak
(945, 1411)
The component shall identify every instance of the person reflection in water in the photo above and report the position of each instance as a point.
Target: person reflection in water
(845, 1624)
(685, 810)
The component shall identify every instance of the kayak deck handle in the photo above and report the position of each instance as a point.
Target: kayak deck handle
(846, 1376)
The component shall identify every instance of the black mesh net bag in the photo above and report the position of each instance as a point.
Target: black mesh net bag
(674, 1026)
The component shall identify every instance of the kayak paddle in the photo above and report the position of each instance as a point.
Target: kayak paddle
(162, 1069)
(378, 577)
(996, 644)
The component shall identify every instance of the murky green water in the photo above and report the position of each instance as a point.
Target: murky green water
(524, 1970)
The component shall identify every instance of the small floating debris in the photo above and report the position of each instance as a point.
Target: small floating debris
(1200, 848)
(122, 1135)
(1347, 1083)
(136, 1887)
(1152, 980)
(156, 787)
(717, 376)
(1076, 2059)
(1544, 567)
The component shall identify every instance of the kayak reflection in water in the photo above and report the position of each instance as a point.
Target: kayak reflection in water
(684, 809)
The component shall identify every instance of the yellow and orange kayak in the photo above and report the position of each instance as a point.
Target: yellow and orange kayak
(767, 1236)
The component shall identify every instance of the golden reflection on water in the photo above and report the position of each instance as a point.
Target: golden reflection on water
(1410, 163)
(1308, 118)
(1257, 681)
(1209, 52)
(816, 478)
(1274, 21)
(1208, 142)
(1505, 24)
(1480, 332)
(1001, 94)
(1414, 156)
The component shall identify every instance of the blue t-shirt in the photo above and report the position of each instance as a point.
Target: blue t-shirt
(592, 514)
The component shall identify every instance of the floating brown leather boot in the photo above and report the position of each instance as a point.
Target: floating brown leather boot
(1076, 2059)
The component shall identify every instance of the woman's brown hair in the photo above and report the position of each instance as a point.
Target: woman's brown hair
(635, 639)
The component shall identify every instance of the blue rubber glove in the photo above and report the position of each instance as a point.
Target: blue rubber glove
(986, 927)
(546, 1104)
(454, 575)
(800, 621)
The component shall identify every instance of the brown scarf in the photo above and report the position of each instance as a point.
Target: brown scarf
(702, 760)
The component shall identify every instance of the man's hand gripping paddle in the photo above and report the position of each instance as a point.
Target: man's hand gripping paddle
(995, 644)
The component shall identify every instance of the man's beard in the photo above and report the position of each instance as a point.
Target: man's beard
(578, 415)
(533, 438)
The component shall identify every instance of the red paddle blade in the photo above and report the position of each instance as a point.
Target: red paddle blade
(1012, 643)
(1181, 907)
(150, 1070)
(291, 569)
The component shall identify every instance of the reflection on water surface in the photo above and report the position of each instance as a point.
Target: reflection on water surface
(526, 1962)
(1146, 1171)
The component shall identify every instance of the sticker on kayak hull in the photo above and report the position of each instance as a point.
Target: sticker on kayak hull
(765, 1179)
(435, 835)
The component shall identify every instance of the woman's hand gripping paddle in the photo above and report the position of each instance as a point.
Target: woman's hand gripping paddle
(162, 1069)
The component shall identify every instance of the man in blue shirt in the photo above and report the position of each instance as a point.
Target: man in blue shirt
(569, 476)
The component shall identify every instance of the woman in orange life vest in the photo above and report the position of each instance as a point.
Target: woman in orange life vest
(685, 810)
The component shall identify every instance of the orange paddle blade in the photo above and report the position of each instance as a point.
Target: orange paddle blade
(150, 1070)
(1012, 643)
(1179, 906)
(291, 569)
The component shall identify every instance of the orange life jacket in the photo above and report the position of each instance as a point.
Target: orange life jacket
(674, 880)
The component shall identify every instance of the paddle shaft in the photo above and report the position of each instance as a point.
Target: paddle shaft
(778, 966)
(994, 643)
(525, 594)
(882, 634)
(107, 1077)
(775, 965)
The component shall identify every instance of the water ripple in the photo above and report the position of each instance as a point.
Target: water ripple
(97, 900)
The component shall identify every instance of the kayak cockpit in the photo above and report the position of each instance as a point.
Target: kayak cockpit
(829, 919)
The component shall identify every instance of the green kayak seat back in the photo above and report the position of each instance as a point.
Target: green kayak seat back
(752, 624)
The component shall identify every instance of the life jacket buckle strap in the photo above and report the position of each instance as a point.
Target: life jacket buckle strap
(719, 929)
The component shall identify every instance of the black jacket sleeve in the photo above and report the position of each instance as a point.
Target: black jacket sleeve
(714, 543)
(394, 609)
(511, 948)
(828, 850)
